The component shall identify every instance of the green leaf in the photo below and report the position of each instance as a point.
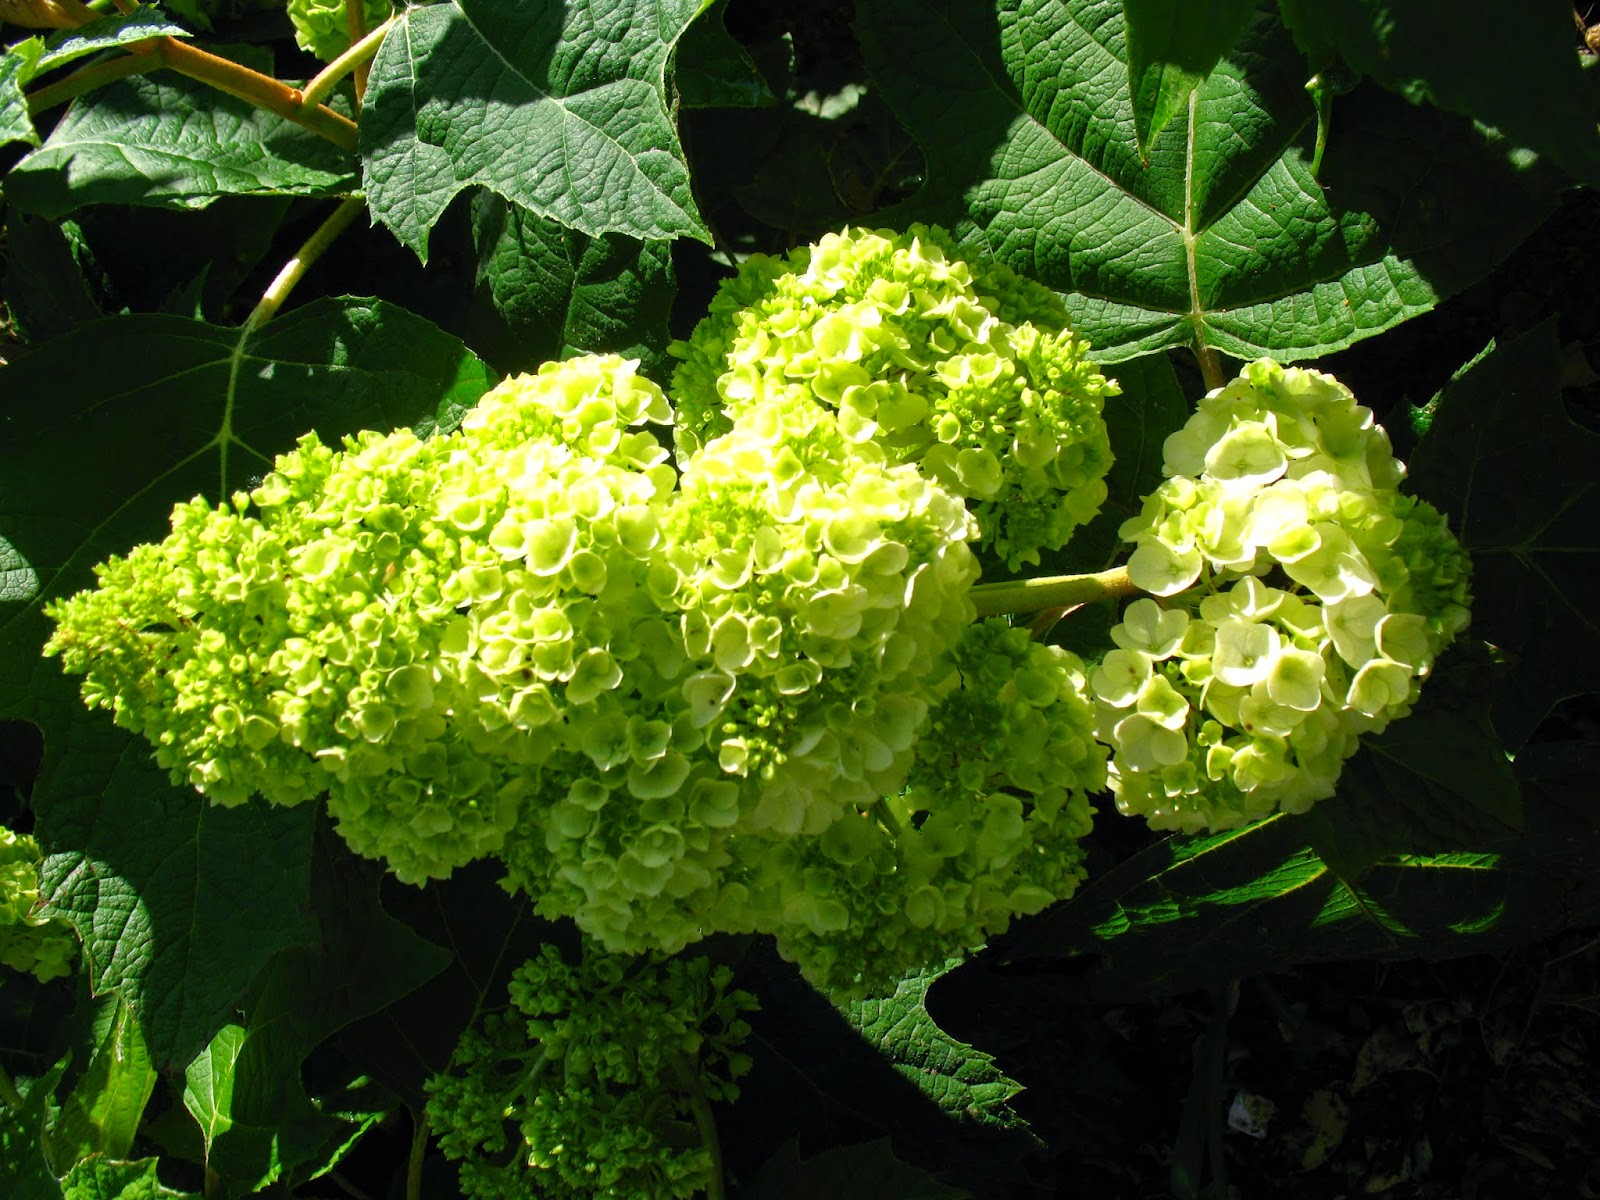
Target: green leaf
(32, 57)
(15, 70)
(174, 143)
(24, 1173)
(107, 33)
(1519, 481)
(488, 933)
(158, 883)
(1514, 67)
(97, 1179)
(47, 287)
(208, 1086)
(562, 109)
(1225, 240)
(712, 70)
(257, 1120)
(1172, 46)
(962, 1082)
(559, 292)
(869, 1171)
(1349, 879)
(103, 1111)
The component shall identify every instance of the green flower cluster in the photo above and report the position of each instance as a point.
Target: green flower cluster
(1305, 599)
(985, 829)
(966, 371)
(596, 1082)
(670, 705)
(768, 680)
(42, 946)
(322, 27)
(410, 625)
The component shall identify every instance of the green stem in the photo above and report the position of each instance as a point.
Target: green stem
(704, 1122)
(419, 1151)
(1211, 367)
(89, 78)
(263, 91)
(253, 87)
(1051, 591)
(9, 1096)
(887, 818)
(294, 270)
(321, 87)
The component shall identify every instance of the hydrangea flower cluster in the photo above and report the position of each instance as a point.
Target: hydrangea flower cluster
(1303, 601)
(662, 702)
(987, 827)
(403, 623)
(741, 689)
(796, 601)
(967, 371)
(42, 946)
(587, 1084)
(322, 27)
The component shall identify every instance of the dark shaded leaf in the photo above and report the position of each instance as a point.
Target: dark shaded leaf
(1519, 482)
(711, 70)
(559, 292)
(486, 934)
(258, 1123)
(47, 287)
(1514, 67)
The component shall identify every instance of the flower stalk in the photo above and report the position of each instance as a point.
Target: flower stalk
(301, 261)
(1052, 591)
(360, 53)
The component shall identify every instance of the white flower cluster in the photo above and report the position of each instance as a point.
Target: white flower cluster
(1304, 599)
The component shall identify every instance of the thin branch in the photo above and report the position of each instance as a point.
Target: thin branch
(1211, 367)
(295, 269)
(321, 87)
(263, 91)
(88, 78)
(704, 1122)
(1052, 591)
(419, 1152)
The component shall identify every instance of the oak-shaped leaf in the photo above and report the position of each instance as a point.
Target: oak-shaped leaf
(562, 109)
(1226, 239)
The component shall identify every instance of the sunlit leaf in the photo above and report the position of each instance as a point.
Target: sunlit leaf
(1225, 239)
(562, 109)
